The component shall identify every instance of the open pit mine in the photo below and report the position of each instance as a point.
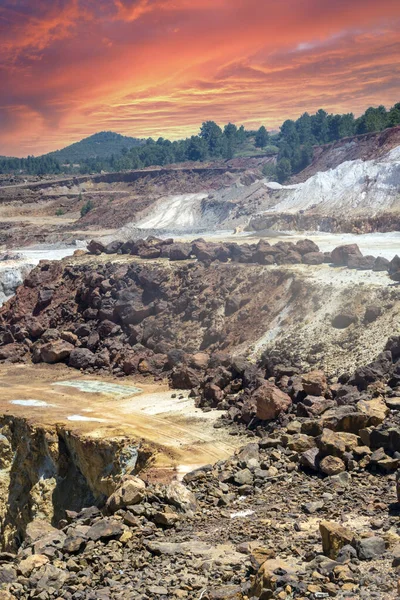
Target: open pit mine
(200, 382)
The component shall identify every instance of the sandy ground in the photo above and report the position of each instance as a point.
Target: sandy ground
(181, 435)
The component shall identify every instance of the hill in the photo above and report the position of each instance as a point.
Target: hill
(101, 145)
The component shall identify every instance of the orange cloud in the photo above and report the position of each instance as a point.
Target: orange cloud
(161, 67)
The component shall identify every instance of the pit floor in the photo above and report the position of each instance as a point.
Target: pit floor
(181, 435)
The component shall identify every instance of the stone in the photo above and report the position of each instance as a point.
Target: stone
(180, 496)
(340, 255)
(309, 459)
(35, 561)
(381, 264)
(268, 576)
(376, 410)
(306, 246)
(104, 529)
(96, 247)
(38, 529)
(300, 442)
(243, 477)
(334, 537)
(343, 319)
(332, 465)
(395, 553)
(313, 258)
(49, 577)
(314, 383)
(179, 251)
(228, 592)
(371, 547)
(130, 492)
(74, 543)
(372, 313)
(363, 263)
(271, 401)
(81, 358)
(330, 443)
(7, 574)
(312, 507)
(55, 351)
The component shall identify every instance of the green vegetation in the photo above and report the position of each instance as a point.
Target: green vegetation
(42, 165)
(292, 146)
(99, 145)
(60, 212)
(87, 207)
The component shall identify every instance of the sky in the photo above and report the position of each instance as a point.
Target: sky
(71, 68)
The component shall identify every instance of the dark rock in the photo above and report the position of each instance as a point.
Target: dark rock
(371, 547)
(340, 255)
(81, 358)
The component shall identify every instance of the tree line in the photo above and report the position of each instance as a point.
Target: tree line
(293, 145)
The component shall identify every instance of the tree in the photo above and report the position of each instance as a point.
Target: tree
(269, 171)
(262, 137)
(241, 135)
(303, 126)
(320, 126)
(87, 207)
(211, 133)
(283, 170)
(197, 149)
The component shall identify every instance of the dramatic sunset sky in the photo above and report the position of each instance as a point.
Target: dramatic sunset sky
(70, 68)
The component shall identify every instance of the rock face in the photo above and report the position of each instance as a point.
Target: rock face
(79, 471)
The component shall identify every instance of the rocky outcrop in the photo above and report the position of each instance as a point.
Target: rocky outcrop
(46, 471)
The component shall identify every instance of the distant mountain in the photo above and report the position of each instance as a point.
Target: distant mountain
(101, 145)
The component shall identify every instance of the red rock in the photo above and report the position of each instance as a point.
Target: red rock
(271, 401)
(340, 255)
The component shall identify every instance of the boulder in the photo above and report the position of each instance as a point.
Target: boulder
(269, 576)
(81, 358)
(314, 383)
(55, 351)
(130, 492)
(270, 401)
(184, 378)
(313, 258)
(363, 263)
(394, 265)
(372, 313)
(33, 562)
(113, 247)
(180, 496)
(340, 255)
(227, 592)
(96, 247)
(371, 547)
(381, 264)
(375, 409)
(309, 459)
(179, 251)
(344, 319)
(305, 247)
(332, 465)
(105, 529)
(330, 443)
(334, 537)
(241, 253)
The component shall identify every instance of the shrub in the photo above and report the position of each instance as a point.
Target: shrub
(87, 207)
